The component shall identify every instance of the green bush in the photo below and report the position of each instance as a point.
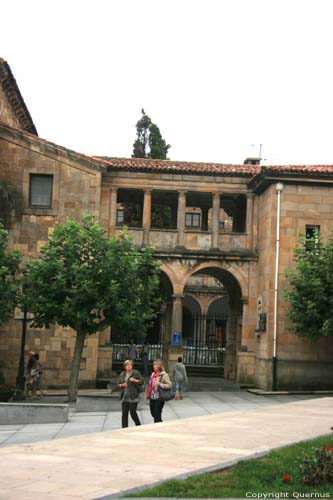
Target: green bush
(317, 467)
(6, 392)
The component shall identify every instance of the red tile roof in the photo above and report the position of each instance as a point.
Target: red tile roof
(178, 167)
(299, 169)
(253, 172)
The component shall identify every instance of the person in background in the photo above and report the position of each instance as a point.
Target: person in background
(131, 352)
(179, 377)
(159, 378)
(129, 382)
(39, 368)
(31, 375)
(145, 357)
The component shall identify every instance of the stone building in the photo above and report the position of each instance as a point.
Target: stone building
(213, 227)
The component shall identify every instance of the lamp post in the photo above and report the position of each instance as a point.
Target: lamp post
(278, 188)
(20, 379)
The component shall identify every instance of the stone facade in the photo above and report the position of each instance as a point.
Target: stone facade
(213, 228)
(301, 363)
(76, 191)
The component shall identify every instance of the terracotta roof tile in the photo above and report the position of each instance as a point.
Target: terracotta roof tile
(253, 172)
(171, 166)
(300, 169)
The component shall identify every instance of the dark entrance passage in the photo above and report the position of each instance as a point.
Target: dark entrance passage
(205, 342)
(212, 337)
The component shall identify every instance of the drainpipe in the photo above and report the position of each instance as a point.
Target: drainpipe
(278, 188)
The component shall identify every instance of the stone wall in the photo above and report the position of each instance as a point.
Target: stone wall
(301, 364)
(76, 191)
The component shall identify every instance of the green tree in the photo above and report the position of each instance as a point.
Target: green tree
(9, 284)
(140, 146)
(310, 295)
(158, 147)
(149, 142)
(88, 282)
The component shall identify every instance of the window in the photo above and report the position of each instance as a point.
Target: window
(41, 191)
(311, 233)
(222, 225)
(120, 217)
(192, 220)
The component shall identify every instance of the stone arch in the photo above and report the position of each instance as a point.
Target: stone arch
(213, 299)
(229, 272)
(224, 309)
(192, 304)
(225, 331)
(170, 274)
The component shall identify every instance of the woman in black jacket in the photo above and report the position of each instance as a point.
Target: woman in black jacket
(130, 384)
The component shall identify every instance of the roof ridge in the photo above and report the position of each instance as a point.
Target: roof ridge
(36, 138)
(14, 97)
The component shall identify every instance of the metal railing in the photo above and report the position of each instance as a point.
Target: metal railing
(120, 352)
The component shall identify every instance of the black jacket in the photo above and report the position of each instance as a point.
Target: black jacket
(133, 390)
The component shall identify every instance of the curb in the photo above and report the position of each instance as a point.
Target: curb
(260, 392)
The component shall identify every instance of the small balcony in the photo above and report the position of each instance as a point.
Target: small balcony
(167, 239)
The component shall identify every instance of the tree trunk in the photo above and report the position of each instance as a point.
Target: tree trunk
(78, 349)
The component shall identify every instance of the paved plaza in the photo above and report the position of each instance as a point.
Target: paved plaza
(102, 464)
(195, 404)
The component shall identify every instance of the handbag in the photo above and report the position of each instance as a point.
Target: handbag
(166, 394)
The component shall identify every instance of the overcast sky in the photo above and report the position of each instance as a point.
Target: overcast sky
(216, 75)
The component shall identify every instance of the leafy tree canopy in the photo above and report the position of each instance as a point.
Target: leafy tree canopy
(149, 142)
(9, 284)
(310, 296)
(89, 282)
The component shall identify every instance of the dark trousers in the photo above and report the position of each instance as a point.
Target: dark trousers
(156, 407)
(129, 408)
(145, 364)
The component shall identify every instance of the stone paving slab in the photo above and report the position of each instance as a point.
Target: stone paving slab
(106, 463)
(194, 404)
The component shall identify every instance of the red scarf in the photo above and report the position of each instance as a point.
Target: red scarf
(152, 383)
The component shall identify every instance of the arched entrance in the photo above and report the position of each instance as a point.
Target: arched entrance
(211, 337)
(155, 336)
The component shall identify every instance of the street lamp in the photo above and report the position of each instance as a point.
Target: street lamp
(278, 189)
(20, 379)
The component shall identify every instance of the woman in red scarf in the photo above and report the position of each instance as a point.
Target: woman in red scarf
(159, 378)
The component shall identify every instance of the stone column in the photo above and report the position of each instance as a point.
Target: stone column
(113, 211)
(174, 351)
(146, 219)
(249, 220)
(177, 313)
(215, 220)
(181, 218)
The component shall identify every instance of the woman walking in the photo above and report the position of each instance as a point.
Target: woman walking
(159, 379)
(130, 383)
(179, 377)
